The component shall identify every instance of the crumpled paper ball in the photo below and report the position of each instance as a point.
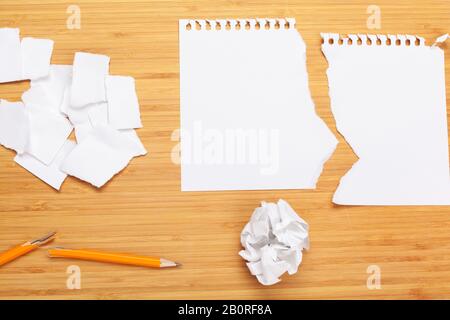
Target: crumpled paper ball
(273, 240)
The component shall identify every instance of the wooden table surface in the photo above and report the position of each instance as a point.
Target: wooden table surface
(142, 210)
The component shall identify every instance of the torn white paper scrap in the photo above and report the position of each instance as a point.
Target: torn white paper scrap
(36, 56)
(10, 55)
(48, 132)
(88, 81)
(57, 81)
(82, 130)
(389, 103)
(247, 117)
(37, 97)
(51, 174)
(133, 136)
(79, 115)
(273, 240)
(65, 103)
(14, 125)
(123, 104)
(100, 156)
(98, 114)
(441, 39)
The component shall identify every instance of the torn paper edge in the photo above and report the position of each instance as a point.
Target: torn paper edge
(399, 40)
(42, 171)
(258, 25)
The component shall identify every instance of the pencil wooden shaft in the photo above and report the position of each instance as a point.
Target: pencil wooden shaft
(16, 252)
(106, 257)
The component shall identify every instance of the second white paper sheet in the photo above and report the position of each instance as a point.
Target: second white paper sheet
(247, 118)
(388, 98)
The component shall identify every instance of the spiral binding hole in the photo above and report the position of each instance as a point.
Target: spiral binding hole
(372, 40)
(238, 24)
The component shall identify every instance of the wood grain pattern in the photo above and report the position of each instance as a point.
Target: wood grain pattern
(142, 210)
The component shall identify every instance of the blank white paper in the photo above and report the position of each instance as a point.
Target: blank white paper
(50, 174)
(36, 56)
(48, 132)
(103, 153)
(88, 82)
(14, 125)
(98, 114)
(10, 55)
(55, 83)
(123, 104)
(389, 103)
(36, 96)
(247, 117)
(82, 130)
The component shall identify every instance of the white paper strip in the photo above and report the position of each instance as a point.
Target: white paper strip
(79, 115)
(48, 132)
(133, 136)
(37, 97)
(65, 103)
(51, 174)
(98, 114)
(123, 105)
(36, 56)
(100, 156)
(88, 83)
(10, 55)
(82, 130)
(14, 125)
(57, 81)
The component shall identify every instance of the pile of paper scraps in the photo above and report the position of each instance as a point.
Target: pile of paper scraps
(103, 109)
(273, 240)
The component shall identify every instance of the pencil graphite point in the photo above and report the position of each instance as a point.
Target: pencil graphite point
(167, 263)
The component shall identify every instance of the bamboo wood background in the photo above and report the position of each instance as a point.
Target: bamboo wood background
(142, 210)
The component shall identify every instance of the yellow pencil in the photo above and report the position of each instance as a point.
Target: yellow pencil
(25, 248)
(118, 258)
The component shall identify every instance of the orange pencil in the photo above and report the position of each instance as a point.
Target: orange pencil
(25, 248)
(118, 258)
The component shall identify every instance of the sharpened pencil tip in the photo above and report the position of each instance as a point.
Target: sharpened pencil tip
(167, 263)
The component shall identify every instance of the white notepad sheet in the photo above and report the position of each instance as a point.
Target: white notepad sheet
(388, 98)
(247, 118)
